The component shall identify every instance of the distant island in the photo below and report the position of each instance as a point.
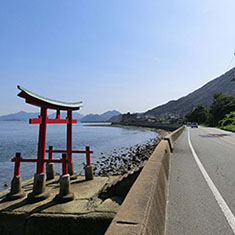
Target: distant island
(25, 116)
(104, 117)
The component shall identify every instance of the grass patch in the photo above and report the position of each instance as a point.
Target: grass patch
(228, 128)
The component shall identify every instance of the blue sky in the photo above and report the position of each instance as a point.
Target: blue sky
(129, 55)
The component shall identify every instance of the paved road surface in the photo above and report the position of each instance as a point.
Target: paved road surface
(202, 183)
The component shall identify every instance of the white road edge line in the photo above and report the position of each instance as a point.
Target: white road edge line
(223, 205)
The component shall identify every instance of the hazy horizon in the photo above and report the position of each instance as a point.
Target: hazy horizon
(35, 109)
(51, 111)
(127, 55)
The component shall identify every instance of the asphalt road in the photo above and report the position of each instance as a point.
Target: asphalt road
(201, 196)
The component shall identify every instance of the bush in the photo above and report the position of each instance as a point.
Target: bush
(228, 122)
(221, 106)
(228, 128)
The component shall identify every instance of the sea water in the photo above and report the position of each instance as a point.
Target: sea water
(19, 136)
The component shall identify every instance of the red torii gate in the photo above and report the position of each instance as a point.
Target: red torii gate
(43, 120)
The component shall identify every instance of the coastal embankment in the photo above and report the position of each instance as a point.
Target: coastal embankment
(146, 124)
(160, 127)
(100, 201)
(144, 208)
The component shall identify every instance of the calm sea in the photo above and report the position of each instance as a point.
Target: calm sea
(19, 136)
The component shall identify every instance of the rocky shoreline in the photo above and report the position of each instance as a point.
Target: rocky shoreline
(123, 160)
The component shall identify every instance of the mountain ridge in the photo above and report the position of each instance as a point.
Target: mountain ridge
(203, 95)
(106, 116)
(19, 116)
(25, 116)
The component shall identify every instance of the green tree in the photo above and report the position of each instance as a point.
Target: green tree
(221, 106)
(229, 119)
(199, 114)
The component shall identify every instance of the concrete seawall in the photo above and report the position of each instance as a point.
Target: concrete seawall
(171, 138)
(143, 210)
(158, 125)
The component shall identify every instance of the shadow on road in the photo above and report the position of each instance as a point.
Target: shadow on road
(214, 135)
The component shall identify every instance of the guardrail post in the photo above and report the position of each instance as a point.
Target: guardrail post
(88, 157)
(64, 164)
(17, 164)
(50, 152)
(88, 167)
(16, 191)
(50, 171)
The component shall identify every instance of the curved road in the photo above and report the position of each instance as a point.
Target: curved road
(201, 196)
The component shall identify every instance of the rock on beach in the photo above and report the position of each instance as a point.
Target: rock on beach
(122, 160)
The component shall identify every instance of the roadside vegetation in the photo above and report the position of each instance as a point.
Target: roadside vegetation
(220, 114)
(228, 122)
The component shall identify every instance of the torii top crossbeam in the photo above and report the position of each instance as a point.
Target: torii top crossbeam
(43, 120)
(34, 99)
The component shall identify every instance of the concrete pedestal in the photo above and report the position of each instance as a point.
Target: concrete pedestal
(16, 191)
(64, 195)
(89, 173)
(71, 171)
(39, 189)
(50, 171)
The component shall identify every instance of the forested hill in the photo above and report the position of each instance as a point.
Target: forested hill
(203, 95)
